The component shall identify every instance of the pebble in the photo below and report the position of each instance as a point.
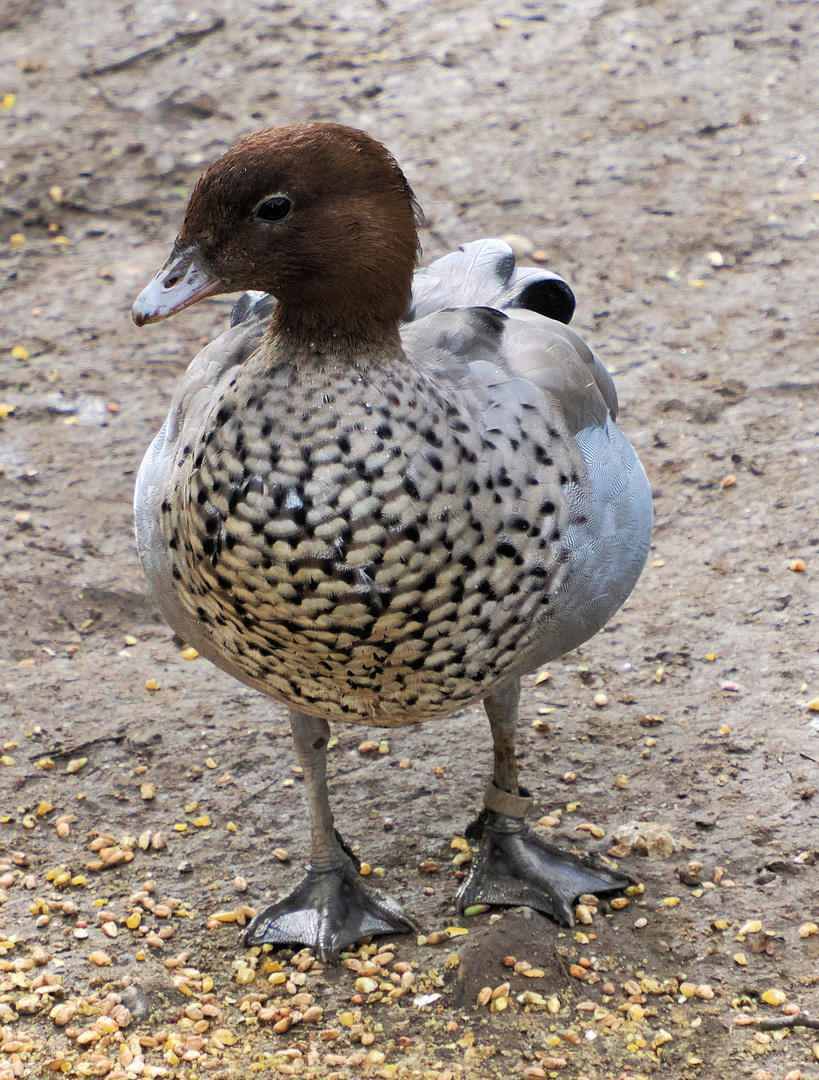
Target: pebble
(646, 838)
(522, 246)
(774, 997)
(753, 926)
(583, 914)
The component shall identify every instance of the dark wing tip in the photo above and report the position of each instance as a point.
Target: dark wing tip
(551, 297)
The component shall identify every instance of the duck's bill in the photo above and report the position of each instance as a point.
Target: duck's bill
(182, 281)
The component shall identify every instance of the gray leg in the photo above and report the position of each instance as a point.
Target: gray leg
(502, 710)
(310, 738)
(515, 867)
(331, 908)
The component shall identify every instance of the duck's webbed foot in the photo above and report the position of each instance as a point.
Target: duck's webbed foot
(515, 867)
(327, 911)
(331, 908)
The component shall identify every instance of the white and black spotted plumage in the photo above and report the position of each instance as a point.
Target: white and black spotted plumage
(387, 544)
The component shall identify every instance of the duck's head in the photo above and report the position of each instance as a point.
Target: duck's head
(319, 215)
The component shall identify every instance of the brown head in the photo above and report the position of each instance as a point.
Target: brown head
(319, 215)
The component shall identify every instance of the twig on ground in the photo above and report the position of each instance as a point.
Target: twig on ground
(180, 40)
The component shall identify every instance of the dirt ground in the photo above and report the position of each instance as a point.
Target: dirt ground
(661, 156)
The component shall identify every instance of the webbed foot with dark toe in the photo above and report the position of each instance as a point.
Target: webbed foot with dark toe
(516, 868)
(328, 911)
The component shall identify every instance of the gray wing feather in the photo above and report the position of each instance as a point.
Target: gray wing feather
(484, 274)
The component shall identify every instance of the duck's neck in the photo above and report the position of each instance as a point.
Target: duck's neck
(304, 334)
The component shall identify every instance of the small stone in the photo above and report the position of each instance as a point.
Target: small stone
(647, 838)
(64, 1012)
(601, 701)
(753, 926)
(584, 914)
(521, 246)
(774, 997)
(715, 258)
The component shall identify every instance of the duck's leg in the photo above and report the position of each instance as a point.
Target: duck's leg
(330, 908)
(514, 866)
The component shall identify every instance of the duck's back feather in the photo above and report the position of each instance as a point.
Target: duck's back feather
(484, 274)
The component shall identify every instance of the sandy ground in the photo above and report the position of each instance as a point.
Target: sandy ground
(659, 156)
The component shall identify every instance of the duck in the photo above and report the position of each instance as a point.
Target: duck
(382, 494)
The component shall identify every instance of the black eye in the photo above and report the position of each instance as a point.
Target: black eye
(276, 208)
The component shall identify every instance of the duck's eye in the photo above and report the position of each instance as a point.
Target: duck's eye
(276, 208)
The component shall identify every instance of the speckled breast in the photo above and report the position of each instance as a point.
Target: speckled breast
(369, 550)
